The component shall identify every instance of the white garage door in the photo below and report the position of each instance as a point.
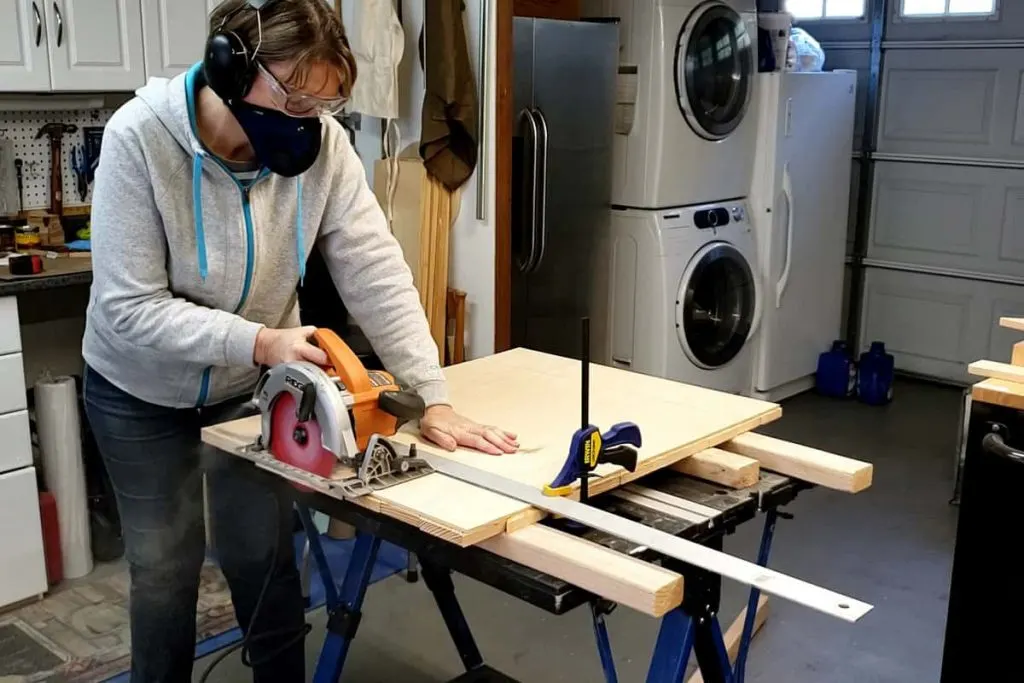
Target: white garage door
(944, 243)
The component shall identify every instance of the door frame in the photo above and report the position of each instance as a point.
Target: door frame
(503, 178)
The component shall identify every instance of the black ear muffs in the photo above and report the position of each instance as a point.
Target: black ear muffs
(228, 66)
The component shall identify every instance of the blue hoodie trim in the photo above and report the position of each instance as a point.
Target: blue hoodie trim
(197, 209)
(244, 190)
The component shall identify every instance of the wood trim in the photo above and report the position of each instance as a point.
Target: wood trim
(503, 178)
(990, 368)
(547, 9)
(1017, 358)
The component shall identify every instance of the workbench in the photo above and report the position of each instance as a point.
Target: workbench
(717, 513)
(451, 525)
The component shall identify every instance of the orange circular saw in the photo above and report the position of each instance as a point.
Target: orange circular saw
(315, 417)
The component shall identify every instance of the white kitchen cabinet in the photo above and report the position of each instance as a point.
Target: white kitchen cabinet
(12, 384)
(175, 34)
(15, 441)
(24, 60)
(95, 45)
(10, 329)
(22, 563)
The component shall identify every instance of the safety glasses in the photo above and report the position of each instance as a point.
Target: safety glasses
(297, 103)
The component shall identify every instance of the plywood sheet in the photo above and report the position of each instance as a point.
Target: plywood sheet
(537, 396)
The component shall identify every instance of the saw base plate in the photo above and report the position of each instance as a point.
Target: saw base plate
(385, 473)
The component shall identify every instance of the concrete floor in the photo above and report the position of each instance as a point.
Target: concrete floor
(890, 546)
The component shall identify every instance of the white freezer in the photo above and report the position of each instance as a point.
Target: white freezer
(800, 199)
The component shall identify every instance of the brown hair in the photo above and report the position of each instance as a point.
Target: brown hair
(303, 31)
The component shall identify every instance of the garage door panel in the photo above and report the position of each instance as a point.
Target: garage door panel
(1011, 239)
(962, 218)
(851, 225)
(953, 103)
(932, 325)
(1008, 24)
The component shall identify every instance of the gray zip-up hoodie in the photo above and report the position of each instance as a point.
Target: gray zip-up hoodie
(189, 264)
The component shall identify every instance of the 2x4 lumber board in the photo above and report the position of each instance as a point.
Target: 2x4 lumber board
(721, 467)
(612, 575)
(537, 396)
(1012, 323)
(735, 633)
(990, 368)
(999, 392)
(1018, 354)
(803, 462)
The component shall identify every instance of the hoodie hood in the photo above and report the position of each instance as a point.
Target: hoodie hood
(173, 101)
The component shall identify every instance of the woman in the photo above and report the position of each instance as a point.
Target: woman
(211, 191)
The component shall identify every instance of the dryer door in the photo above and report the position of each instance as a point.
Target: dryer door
(715, 70)
(715, 305)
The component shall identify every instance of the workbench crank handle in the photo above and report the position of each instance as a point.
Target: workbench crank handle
(994, 444)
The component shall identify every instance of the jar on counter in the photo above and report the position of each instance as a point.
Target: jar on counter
(27, 237)
(6, 237)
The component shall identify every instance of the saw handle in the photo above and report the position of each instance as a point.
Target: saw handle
(342, 361)
(405, 405)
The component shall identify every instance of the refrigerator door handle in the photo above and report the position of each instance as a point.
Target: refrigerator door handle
(528, 256)
(542, 187)
(787, 190)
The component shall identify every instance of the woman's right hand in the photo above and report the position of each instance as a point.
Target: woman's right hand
(274, 347)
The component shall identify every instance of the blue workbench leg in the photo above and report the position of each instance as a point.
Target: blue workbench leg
(598, 610)
(673, 648)
(344, 606)
(771, 517)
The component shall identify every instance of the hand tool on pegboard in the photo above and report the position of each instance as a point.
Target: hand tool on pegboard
(81, 169)
(18, 163)
(56, 133)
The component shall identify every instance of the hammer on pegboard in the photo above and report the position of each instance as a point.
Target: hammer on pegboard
(56, 132)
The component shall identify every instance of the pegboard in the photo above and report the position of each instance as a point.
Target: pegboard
(22, 127)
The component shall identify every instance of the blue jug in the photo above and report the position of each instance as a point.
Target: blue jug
(875, 375)
(837, 374)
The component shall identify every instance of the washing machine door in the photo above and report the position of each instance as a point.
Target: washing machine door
(715, 305)
(715, 70)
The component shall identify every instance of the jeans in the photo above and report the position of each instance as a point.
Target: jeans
(154, 456)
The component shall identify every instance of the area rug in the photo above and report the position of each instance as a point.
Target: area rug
(79, 634)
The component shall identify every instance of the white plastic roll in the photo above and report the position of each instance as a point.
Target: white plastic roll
(60, 443)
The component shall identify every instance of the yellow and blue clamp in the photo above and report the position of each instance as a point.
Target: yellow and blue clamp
(590, 448)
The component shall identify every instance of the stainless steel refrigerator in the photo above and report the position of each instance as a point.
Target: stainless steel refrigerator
(565, 81)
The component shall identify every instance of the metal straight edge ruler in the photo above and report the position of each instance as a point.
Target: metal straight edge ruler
(749, 573)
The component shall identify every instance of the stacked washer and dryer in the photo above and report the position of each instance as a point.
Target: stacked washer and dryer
(678, 296)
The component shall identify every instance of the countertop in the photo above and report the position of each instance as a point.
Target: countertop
(61, 272)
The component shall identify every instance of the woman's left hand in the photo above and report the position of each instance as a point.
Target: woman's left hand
(449, 430)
